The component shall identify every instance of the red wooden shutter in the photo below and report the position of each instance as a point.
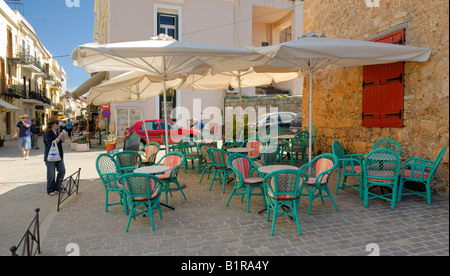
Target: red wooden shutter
(383, 89)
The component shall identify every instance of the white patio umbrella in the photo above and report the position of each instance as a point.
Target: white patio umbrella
(314, 51)
(241, 78)
(132, 86)
(164, 57)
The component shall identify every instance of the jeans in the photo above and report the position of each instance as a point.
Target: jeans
(34, 141)
(54, 184)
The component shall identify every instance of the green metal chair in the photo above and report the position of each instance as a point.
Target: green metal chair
(209, 136)
(421, 171)
(172, 146)
(349, 165)
(229, 145)
(174, 160)
(381, 168)
(191, 153)
(283, 194)
(314, 137)
(297, 146)
(244, 184)
(272, 134)
(322, 166)
(128, 161)
(107, 169)
(255, 144)
(221, 169)
(388, 143)
(269, 155)
(150, 150)
(143, 192)
(206, 159)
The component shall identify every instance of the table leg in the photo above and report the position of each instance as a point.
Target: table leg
(167, 206)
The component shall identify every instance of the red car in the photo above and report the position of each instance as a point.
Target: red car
(155, 129)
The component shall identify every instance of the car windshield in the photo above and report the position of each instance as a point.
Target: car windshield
(152, 125)
(171, 125)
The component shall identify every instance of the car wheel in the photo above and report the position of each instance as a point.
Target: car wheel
(141, 144)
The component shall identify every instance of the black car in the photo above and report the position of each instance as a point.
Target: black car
(296, 123)
(281, 119)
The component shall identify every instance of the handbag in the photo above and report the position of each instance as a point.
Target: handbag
(53, 154)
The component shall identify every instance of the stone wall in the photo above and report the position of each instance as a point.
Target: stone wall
(337, 96)
(283, 104)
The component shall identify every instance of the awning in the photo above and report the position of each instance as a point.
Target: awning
(8, 106)
(87, 85)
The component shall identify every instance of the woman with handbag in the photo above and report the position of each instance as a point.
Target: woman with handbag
(53, 156)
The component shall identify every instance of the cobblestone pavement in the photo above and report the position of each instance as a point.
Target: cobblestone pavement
(202, 225)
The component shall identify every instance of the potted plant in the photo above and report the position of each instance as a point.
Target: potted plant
(82, 145)
(110, 143)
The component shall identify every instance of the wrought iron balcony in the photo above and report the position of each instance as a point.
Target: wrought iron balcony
(25, 59)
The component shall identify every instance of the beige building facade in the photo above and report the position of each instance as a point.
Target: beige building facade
(222, 22)
(338, 93)
(30, 79)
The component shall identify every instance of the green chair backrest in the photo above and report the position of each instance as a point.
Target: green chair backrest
(390, 144)
(151, 150)
(141, 185)
(188, 147)
(107, 169)
(128, 159)
(382, 165)
(229, 145)
(269, 155)
(322, 166)
(203, 150)
(338, 150)
(174, 160)
(300, 141)
(255, 144)
(218, 157)
(242, 166)
(314, 132)
(437, 162)
(285, 184)
(274, 131)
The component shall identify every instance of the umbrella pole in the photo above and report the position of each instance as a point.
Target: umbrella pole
(143, 120)
(240, 89)
(310, 113)
(165, 116)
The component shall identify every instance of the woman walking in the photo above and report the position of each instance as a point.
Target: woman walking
(53, 134)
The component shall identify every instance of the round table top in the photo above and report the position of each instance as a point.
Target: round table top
(152, 169)
(272, 168)
(239, 150)
(206, 141)
(286, 136)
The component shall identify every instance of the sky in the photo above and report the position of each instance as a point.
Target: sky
(61, 29)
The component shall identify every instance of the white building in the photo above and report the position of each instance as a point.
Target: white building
(223, 22)
(29, 78)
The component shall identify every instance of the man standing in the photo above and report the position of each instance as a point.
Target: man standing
(23, 132)
(69, 127)
(34, 135)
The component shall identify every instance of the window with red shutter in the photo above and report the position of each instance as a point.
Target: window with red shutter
(383, 89)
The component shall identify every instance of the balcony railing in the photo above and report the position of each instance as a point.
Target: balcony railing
(25, 58)
(18, 91)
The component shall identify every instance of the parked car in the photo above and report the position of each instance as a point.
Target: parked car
(296, 123)
(155, 129)
(281, 119)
